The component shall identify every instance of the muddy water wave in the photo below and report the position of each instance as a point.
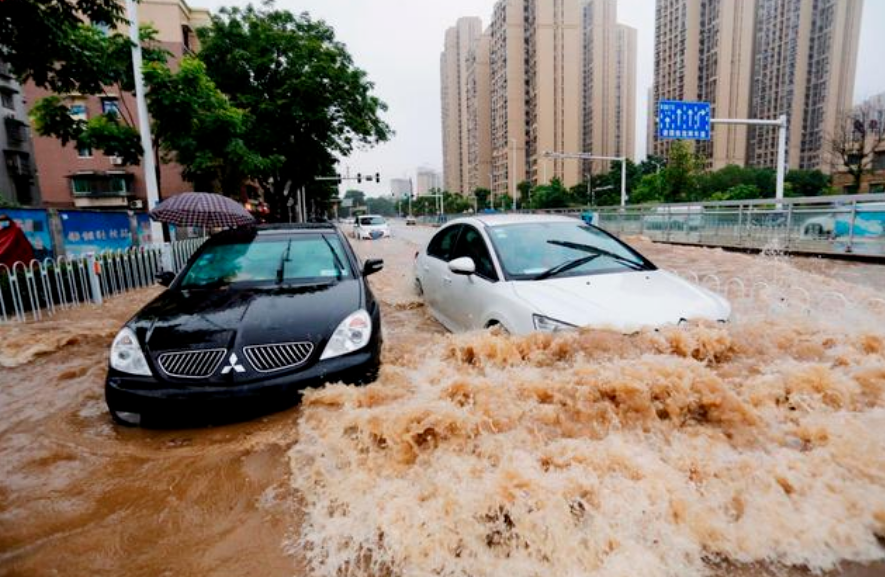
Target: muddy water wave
(659, 453)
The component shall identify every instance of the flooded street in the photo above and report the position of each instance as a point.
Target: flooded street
(711, 450)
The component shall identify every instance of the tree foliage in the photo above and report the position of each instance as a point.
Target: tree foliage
(54, 44)
(200, 129)
(307, 101)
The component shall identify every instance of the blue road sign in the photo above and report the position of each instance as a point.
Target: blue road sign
(684, 120)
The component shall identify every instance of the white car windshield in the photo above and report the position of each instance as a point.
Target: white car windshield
(538, 250)
(371, 220)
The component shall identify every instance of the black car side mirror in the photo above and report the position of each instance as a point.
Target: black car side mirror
(165, 277)
(372, 266)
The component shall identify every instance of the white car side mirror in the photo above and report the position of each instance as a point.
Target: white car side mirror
(463, 265)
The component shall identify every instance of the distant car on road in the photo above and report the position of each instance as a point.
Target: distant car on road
(257, 315)
(550, 273)
(411, 221)
(371, 227)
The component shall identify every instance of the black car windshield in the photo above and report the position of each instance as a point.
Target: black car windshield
(528, 251)
(299, 258)
(371, 220)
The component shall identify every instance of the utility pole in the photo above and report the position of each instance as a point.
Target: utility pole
(513, 171)
(144, 126)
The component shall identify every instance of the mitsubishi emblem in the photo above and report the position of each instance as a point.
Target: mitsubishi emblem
(234, 365)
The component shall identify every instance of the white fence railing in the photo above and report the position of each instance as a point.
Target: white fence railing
(40, 288)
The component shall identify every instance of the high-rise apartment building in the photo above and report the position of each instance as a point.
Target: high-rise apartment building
(460, 39)
(427, 181)
(507, 94)
(553, 88)
(609, 83)
(804, 67)
(759, 59)
(535, 76)
(532, 79)
(479, 115)
(85, 178)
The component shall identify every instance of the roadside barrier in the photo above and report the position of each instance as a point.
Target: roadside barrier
(30, 291)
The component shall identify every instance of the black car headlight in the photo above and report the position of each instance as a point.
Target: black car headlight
(352, 334)
(548, 325)
(126, 355)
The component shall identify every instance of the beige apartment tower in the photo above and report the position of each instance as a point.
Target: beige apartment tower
(813, 43)
(507, 94)
(553, 88)
(479, 115)
(609, 84)
(759, 59)
(459, 41)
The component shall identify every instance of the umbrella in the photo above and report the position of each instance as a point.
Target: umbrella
(201, 209)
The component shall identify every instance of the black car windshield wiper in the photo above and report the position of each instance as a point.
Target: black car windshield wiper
(566, 266)
(599, 252)
(285, 258)
(338, 262)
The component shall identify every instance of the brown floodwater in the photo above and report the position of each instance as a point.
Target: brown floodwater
(744, 449)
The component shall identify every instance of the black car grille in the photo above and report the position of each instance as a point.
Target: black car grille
(268, 358)
(191, 364)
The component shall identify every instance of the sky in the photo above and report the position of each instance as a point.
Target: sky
(398, 43)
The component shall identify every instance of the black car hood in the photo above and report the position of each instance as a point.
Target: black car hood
(228, 318)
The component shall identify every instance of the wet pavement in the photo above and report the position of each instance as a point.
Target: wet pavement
(703, 451)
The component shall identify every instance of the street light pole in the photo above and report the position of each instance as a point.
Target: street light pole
(513, 171)
(144, 127)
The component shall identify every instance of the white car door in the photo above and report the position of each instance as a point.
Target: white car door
(435, 275)
(466, 298)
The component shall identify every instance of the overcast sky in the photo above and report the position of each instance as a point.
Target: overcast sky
(398, 42)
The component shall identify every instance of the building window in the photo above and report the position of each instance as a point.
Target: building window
(110, 106)
(84, 152)
(6, 100)
(101, 184)
(78, 111)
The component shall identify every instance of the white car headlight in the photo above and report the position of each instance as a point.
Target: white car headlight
(548, 325)
(126, 355)
(352, 334)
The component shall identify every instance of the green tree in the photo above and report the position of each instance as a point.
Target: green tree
(483, 196)
(807, 183)
(649, 190)
(113, 132)
(307, 101)
(381, 205)
(553, 195)
(53, 42)
(197, 127)
(681, 174)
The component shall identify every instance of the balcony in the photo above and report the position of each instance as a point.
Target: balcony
(16, 131)
(18, 164)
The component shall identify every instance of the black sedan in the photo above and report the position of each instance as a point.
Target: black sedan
(257, 315)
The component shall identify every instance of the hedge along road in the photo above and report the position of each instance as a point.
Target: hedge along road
(471, 449)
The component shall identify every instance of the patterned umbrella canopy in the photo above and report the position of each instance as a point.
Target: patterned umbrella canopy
(201, 209)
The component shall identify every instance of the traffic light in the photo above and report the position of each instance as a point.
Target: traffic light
(377, 178)
(359, 177)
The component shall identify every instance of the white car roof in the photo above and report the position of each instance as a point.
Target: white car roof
(505, 219)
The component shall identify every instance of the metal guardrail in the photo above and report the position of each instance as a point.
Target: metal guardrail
(824, 225)
(41, 288)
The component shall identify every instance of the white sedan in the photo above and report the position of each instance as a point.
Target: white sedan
(550, 273)
(370, 226)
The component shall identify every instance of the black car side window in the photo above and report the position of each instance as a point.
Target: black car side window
(473, 245)
(442, 245)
